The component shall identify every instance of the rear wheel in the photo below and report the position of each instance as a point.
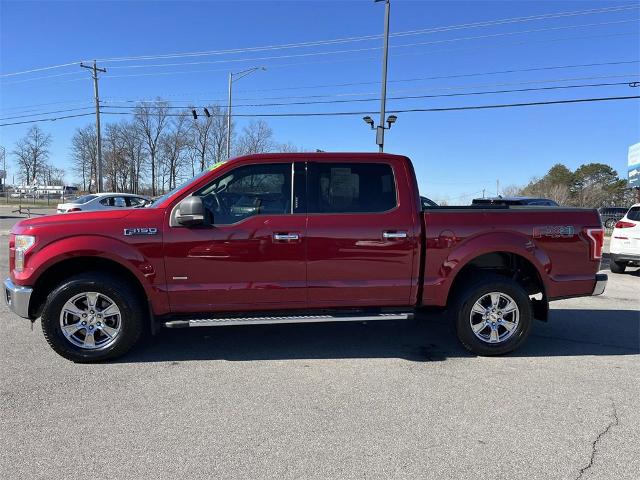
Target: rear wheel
(610, 223)
(92, 317)
(494, 315)
(617, 267)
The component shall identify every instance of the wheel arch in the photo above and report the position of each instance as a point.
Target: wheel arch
(64, 269)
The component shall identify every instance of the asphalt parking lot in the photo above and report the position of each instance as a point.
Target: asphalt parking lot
(376, 401)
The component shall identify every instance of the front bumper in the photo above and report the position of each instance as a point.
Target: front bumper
(601, 283)
(17, 297)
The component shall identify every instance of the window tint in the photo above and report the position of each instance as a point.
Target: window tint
(350, 188)
(107, 201)
(634, 214)
(84, 199)
(263, 189)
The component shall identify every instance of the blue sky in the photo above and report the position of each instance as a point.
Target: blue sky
(456, 153)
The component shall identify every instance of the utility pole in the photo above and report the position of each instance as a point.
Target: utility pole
(383, 94)
(497, 188)
(94, 71)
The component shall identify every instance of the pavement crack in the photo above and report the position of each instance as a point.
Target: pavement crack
(594, 445)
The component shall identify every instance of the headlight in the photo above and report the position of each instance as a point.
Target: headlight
(22, 244)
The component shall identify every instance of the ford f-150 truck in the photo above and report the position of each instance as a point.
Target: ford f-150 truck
(305, 237)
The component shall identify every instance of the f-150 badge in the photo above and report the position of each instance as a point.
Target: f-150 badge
(141, 231)
(554, 231)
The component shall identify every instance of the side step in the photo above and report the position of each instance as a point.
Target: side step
(218, 322)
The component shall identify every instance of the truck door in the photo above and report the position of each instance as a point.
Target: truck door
(252, 255)
(362, 239)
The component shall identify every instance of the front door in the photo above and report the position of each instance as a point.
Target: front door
(252, 256)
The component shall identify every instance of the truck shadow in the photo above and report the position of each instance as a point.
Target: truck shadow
(426, 339)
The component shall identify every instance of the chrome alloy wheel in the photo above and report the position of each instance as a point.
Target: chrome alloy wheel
(494, 317)
(91, 320)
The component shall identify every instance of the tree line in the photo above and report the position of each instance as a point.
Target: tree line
(592, 185)
(148, 153)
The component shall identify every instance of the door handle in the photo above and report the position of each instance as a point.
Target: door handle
(286, 237)
(394, 235)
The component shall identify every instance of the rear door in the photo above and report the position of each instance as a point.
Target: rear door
(361, 234)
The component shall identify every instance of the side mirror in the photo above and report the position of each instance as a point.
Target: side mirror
(190, 212)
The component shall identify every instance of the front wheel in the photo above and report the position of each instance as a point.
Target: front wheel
(92, 317)
(494, 315)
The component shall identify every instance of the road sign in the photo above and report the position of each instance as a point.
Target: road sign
(634, 166)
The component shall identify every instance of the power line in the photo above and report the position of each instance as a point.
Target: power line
(326, 114)
(368, 49)
(413, 90)
(410, 97)
(373, 37)
(488, 23)
(45, 119)
(46, 113)
(411, 110)
(298, 64)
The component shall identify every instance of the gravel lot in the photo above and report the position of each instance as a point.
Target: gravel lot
(383, 400)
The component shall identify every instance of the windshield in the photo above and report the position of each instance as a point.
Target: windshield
(162, 198)
(85, 198)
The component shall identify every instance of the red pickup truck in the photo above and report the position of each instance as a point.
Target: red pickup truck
(288, 238)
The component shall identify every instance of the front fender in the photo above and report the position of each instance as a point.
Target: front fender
(107, 248)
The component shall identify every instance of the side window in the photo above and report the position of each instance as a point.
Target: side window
(261, 189)
(350, 188)
(119, 202)
(134, 201)
(107, 201)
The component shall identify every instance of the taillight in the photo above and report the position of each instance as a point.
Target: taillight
(74, 209)
(623, 224)
(596, 241)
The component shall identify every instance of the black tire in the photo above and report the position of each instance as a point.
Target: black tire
(466, 297)
(617, 267)
(131, 316)
(610, 223)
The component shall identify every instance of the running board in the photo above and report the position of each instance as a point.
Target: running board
(218, 322)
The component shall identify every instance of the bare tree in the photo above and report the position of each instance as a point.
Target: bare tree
(116, 162)
(32, 153)
(151, 120)
(133, 144)
(84, 153)
(257, 137)
(173, 148)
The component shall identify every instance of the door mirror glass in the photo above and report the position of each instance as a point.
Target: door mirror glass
(190, 212)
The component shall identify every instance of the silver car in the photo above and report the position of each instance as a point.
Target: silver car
(103, 201)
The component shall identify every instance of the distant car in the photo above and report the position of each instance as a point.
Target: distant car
(530, 201)
(610, 215)
(625, 241)
(427, 202)
(103, 201)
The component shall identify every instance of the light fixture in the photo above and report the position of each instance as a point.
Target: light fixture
(206, 112)
(369, 121)
(391, 119)
(195, 114)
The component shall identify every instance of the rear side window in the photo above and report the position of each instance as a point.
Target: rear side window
(350, 188)
(634, 214)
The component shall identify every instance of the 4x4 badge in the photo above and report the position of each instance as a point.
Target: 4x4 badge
(141, 231)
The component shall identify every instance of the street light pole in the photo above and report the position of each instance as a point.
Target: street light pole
(229, 116)
(237, 76)
(383, 94)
